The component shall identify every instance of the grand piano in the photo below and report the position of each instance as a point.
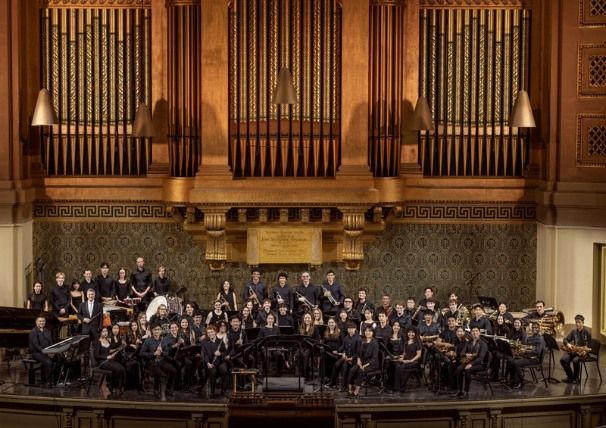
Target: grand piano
(16, 324)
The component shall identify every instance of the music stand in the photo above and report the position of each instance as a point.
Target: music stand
(287, 330)
(488, 302)
(252, 333)
(551, 345)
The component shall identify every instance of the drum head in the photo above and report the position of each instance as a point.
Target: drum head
(154, 305)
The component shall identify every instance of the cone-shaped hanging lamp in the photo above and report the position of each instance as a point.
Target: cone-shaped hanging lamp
(143, 126)
(285, 91)
(421, 117)
(44, 113)
(521, 114)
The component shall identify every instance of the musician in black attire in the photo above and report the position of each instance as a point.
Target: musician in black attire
(284, 318)
(580, 336)
(153, 354)
(37, 300)
(368, 360)
(227, 296)
(172, 343)
(447, 337)
(383, 329)
(238, 339)
(217, 314)
(308, 329)
(214, 351)
(473, 361)
(480, 320)
(105, 283)
(349, 349)
(517, 332)
(105, 355)
(332, 295)
(408, 361)
(161, 318)
(454, 356)
(40, 338)
(306, 294)
(428, 294)
(268, 330)
(516, 365)
(122, 285)
(254, 291)
(264, 312)
(90, 315)
(399, 316)
(282, 293)
(89, 283)
(362, 304)
(352, 315)
(141, 283)
(161, 284)
(59, 296)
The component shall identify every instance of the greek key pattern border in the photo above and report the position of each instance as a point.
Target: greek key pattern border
(103, 210)
(480, 211)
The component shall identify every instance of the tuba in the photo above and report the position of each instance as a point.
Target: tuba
(552, 323)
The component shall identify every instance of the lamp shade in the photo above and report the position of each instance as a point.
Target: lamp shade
(521, 115)
(143, 126)
(421, 117)
(285, 91)
(44, 113)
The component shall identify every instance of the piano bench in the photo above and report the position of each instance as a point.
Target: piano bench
(31, 366)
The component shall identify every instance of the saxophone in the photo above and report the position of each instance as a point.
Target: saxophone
(581, 351)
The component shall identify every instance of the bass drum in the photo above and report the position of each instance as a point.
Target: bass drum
(175, 305)
(153, 306)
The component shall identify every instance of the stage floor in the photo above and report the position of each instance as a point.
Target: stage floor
(13, 379)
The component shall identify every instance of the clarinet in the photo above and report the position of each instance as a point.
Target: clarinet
(216, 357)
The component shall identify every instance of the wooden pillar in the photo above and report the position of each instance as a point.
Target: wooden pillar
(354, 81)
(159, 95)
(214, 89)
(19, 85)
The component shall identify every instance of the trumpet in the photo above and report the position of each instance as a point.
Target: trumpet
(305, 302)
(252, 294)
(331, 299)
(581, 351)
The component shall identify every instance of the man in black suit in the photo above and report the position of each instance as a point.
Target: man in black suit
(40, 338)
(90, 315)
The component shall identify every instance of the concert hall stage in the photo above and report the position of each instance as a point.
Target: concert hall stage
(559, 405)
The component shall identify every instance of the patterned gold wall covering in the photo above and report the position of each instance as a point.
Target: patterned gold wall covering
(401, 262)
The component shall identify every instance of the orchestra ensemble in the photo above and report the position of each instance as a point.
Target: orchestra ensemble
(142, 333)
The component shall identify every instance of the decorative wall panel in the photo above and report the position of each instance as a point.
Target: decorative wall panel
(592, 12)
(436, 211)
(299, 140)
(591, 80)
(591, 140)
(401, 261)
(473, 63)
(96, 63)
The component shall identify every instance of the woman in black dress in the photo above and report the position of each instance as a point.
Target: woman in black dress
(37, 300)
(368, 360)
(76, 297)
(332, 341)
(105, 358)
(408, 361)
(227, 297)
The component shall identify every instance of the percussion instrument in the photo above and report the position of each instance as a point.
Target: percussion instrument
(174, 305)
(152, 308)
(518, 315)
(123, 327)
(132, 301)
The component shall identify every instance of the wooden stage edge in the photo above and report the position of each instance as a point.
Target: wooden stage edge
(578, 411)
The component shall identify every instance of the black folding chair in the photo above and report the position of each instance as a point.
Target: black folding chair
(592, 357)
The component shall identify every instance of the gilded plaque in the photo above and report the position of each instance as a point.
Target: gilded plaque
(284, 245)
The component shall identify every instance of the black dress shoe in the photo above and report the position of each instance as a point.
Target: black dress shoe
(517, 386)
(567, 380)
(456, 394)
(464, 395)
